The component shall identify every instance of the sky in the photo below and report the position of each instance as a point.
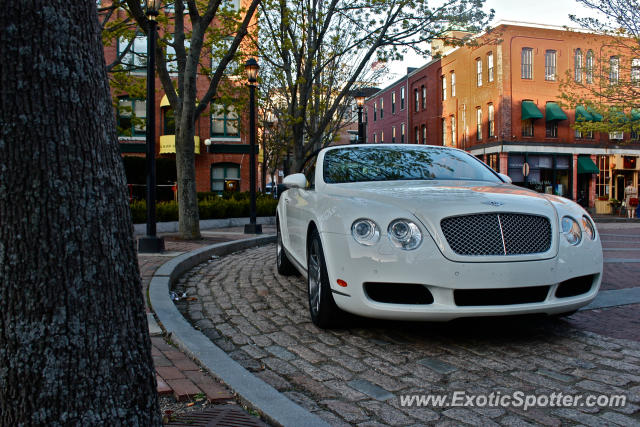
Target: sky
(549, 12)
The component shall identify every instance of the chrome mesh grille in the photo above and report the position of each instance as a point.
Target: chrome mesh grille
(497, 234)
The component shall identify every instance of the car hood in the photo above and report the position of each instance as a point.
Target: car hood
(431, 201)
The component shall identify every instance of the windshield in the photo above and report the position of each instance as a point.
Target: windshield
(361, 164)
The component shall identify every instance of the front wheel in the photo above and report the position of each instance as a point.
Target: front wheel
(322, 307)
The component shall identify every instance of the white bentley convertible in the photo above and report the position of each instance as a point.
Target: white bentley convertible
(430, 233)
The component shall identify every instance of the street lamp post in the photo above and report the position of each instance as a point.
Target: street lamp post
(360, 103)
(252, 68)
(151, 242)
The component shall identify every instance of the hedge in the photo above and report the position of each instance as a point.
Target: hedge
(214, 207)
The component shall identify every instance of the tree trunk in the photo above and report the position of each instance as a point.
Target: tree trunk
(188, 215)
(75, 347)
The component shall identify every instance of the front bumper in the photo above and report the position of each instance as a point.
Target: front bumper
(356, 264)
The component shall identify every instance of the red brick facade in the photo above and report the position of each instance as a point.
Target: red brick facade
(388, 113)
(204, 161)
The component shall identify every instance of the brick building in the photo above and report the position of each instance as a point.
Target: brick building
(387, 114)
(224, 165)
(499, 100)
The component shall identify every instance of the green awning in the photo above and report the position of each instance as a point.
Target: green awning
(530, 111)
(617, 116)
(586, 165)
(582, 115)
(554, 112)
(596, 117)
(635, 115)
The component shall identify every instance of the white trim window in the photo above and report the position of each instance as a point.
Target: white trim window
(443, 80)
(550, 65)
(490, 67)
(526, 65)
(453, 83)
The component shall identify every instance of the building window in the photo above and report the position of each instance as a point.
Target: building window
(224, 121)
(168, 121)
(444, 132)
(527, 127)
(402, 133)
(135, 58)
(393, 135)
(552, 129)
(453, 83)
(402, 98)
(618, 135)
(589, 66)
(635, 72)
(577, 66)
(491, 122)
(526, 66)
(375, 138)
(382, 137)
(443, 79)
(454, 139)
(375, 111)
(602, 180)
(225, 177)
(424, 134)
(416, 99)
(479, 72)
(393, 102)
(132, 117)
(424, 97)
(479, 124)
(550, 65)
(381, 108)
(416, 134)
(490, 67)
(614, 70)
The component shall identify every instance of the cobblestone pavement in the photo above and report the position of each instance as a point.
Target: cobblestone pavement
(357, 375)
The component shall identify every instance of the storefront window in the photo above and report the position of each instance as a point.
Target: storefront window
(602, 181)
(548, 173)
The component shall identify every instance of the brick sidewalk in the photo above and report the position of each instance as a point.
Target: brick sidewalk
(176, 374)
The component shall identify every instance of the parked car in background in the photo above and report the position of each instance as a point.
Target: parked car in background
(430, 233)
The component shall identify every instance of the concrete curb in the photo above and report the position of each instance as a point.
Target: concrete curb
(276, 407)
(205, 224)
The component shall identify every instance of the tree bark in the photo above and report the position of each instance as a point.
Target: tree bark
(75, 348)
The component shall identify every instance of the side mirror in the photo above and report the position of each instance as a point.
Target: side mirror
(297, 180)
(505, 178)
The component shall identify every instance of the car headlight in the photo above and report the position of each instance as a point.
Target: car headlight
(365, 231)
(404, 234)
(571, 230)
(588, 227)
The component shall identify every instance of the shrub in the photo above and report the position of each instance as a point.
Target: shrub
(138, 211)
(167, 211)
(208, 208)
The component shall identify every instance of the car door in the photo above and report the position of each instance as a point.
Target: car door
(299, 212)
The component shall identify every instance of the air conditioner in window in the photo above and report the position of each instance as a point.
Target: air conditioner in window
(616, 135)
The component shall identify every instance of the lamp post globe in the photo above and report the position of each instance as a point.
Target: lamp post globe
(252, 67)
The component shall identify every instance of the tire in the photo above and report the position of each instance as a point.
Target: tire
(324, 312)
(283, 264)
